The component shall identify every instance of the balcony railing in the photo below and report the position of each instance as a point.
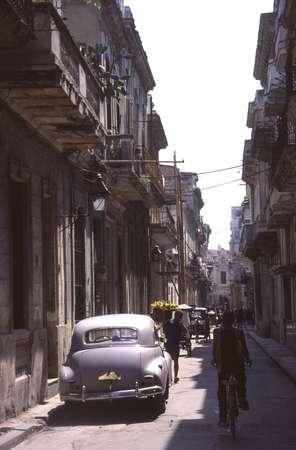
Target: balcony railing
(247, 244)
(162, 227)
(16, 22)
(52, 87)
(275, 94)
(152, 169)
(264, 45)
(162, 217)
(265, 136)
(265, 239)
(281, 49)
(23, 9)
(250, 169)
(284, 173)
(281, 208)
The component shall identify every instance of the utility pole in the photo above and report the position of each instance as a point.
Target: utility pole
(180, 233)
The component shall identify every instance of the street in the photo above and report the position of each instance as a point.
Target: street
(190, 421)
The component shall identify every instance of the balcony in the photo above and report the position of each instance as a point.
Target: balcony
(287, 270)
(282, 207)
(255, 109)
(250, 164)
(162, 226)
(198, 269)
(264, 44)
(281, 49)
(275, 94)
(250, 115)
(157, 180)
(134, 180)
(264, 138)
(265, 239)
(247, 244)
(49, 84)
(16, 20)
(284, 178)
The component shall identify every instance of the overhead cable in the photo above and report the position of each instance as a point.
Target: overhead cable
(219, 170)
(221, 184)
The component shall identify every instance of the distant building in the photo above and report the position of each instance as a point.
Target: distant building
(241, 277)
(219, 269)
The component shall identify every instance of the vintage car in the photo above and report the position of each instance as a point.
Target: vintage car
(116, 356)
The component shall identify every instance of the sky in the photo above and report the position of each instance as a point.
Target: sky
(202, 55)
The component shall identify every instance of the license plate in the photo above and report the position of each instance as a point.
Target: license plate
(109, 375)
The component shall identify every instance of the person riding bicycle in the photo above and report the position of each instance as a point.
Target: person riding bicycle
(230, 353)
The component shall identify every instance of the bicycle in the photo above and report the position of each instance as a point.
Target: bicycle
(232, 405)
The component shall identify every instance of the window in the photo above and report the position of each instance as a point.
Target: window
(109, 113)
(111, 335)
(79, 251)
(223, 277)
(20, 253)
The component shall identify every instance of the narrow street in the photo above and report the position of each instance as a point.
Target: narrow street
(190, 421)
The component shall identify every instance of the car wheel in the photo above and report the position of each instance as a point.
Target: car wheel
(167, 390)
(159, 402)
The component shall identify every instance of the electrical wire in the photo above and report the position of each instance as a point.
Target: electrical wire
(234, 181)
(197, 173)
(221, 184)
(220, 170)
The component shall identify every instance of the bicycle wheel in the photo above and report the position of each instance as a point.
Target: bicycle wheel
(232, 410)
(232, 424)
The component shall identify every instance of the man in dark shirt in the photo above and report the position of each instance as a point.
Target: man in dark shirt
(174, 330)
(230, 353)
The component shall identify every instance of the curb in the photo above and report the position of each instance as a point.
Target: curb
(35, 419)
(13, 436)
(278, 353)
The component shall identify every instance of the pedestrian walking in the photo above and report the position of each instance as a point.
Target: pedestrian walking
(174, 330)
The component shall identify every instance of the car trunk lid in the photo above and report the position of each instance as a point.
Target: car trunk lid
(108, 369)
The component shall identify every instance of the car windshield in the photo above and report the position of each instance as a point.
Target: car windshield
(111, 335)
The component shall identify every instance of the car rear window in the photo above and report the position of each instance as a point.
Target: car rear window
(111, 335)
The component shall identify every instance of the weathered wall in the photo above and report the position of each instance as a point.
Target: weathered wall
(42, 166)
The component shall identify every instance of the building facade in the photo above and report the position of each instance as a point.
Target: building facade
(269, 168)
(79, 143)
(241, 274)
(219, 269)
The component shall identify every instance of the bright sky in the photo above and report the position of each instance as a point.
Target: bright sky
(202, 54)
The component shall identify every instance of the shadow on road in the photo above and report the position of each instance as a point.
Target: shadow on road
(102, 413)
(266, 426)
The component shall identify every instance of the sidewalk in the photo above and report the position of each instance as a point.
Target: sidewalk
(15, 430)
(279, 353)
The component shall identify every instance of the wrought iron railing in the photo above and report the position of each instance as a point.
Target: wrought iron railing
(23, 9)
(152, 169)
(247, 237)
(162, 217)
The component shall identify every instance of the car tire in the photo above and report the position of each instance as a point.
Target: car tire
(159, 402)
(167, 390)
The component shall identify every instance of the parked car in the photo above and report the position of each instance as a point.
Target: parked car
(116, 356)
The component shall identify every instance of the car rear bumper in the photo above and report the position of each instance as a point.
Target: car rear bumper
(85, 396)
